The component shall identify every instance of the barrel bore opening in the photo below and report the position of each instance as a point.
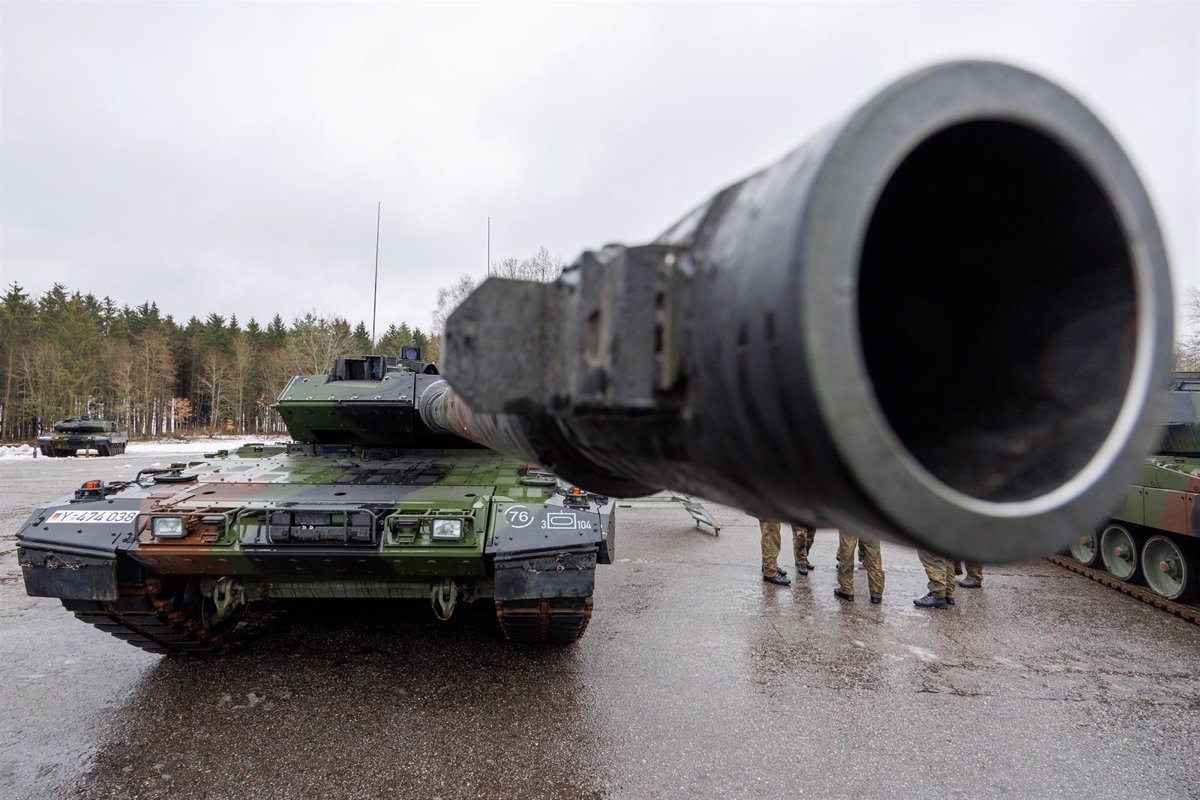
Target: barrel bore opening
(997, 310)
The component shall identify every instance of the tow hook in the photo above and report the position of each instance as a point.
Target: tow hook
(444, 597)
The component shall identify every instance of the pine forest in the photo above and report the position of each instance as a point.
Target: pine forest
(66, 354)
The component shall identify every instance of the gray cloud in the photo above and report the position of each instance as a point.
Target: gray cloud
(229, 157)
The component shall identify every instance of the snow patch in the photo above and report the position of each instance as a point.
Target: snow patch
(189, 446)
(16, 451)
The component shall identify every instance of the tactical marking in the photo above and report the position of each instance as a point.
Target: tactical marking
(562, 521)
(92, 517)
(518, 517)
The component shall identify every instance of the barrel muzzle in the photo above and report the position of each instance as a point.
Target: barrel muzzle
(945, 320)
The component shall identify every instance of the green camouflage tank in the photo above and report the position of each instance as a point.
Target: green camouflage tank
(1155, 534)
(368, 501)
(68, 436)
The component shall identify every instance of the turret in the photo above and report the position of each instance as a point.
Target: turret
(370, 401)
(1181, 430)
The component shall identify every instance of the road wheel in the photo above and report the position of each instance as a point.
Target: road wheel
(1169, 568)
(1119, 549)
(1086, 549)
(220, 609)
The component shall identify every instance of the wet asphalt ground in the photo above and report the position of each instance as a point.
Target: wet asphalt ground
(695, 679)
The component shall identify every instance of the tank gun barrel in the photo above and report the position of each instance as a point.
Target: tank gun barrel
(945, 320)
(442, 410)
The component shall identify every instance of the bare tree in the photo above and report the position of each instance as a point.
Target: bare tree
(448, 299)
(506, 268)
(180, 411)
(243, 358)
(541, 267)
(214, 377)
(314, 343)
(42, 379)
(154, 376)
(1187, 350)
(120, 371)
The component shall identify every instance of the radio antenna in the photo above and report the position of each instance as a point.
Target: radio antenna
(375, 294)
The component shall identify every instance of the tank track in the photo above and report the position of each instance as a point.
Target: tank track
(1188, 612)
(559, 620)
(69, 452)
(145, 619)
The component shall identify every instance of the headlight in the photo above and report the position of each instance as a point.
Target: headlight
(167, 527)
(447, 529)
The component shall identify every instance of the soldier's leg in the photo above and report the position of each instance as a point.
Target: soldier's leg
(950, 580)
(935, 570)
(770, 547)
(802, 539)
(872, 556)
(974, 577)
(845, 562)
(939, 571)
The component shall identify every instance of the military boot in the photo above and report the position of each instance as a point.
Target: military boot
(847, 596)
(876, 599)
(969, 583)
(779, 579)
(949, 600)
(930, 600)
(802, 569)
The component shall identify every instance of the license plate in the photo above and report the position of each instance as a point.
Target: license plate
(106, 517)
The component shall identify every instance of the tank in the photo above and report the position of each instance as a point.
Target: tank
(69, 436)
(367, 501)
(945, 321)
(1153, 539)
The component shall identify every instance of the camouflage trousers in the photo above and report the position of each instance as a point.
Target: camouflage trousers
(872, 558)
(975, 572)
(802, 539)
(940, 572)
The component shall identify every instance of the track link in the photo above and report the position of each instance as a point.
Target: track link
(559, 620)
(145, 619)
(1190, 613)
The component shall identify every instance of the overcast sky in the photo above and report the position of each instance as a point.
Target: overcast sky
(229, 157)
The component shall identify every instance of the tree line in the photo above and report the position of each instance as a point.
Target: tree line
(66, 354)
